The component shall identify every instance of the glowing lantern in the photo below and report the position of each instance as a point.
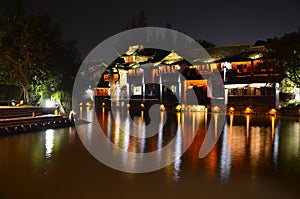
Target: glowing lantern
(248, 110)
(273, 111)
(178, 107)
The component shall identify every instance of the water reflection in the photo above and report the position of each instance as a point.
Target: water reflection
(260, 151)
(225, 159)
(247, 142)
(178, 149)
(49, 142)
(275, 142)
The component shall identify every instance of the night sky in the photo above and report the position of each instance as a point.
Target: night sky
(221, 22)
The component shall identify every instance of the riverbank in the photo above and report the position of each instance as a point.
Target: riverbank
(15, 120)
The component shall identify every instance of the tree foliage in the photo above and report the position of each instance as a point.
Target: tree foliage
(286, 52)
(206, 44)
(34, 54)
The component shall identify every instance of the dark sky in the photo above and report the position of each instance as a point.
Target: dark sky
(222, 22)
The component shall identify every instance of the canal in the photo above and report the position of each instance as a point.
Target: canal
(254, 157)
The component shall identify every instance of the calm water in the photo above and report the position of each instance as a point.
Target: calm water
(255, 156)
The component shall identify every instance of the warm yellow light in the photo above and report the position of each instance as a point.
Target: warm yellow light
(142, 105)
(88, 104)
(128, 105)
(273, 111)
(55, 112)
(231, 109)
(162, 107)
(103, 104)
(216, 109)
(178, 107)
(80, 104)
(248, 110)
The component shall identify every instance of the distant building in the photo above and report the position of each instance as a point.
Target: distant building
(248, 81)
(142, 77)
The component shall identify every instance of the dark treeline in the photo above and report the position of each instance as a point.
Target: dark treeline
(141, 21)
(36, 57)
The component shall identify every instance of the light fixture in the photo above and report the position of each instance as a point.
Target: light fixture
(248, 110)
(178, 107)
(216, 109)
(273, 111)
(49, 103)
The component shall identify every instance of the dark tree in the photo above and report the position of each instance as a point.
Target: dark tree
(35, 56)
(125, 26)
(133, 23)
(169, 26)
(286, 52)
(260, 43)
(138, 22)
(141, 20)
(206, 44)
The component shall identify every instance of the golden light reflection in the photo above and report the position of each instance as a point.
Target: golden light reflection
(216, 125)
(247, 126)
(273, 126)
(213, 162)
(80, 113)
(193, 122)
(231, 120)
(126, 143)
(178, 118)
(117, 130)
(72, 133)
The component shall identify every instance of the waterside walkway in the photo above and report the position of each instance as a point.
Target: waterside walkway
(15, 120)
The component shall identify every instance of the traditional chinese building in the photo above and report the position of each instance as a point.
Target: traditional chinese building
(249, 83)
(143, 77)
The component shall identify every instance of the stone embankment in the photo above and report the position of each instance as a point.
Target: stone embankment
(16, 120)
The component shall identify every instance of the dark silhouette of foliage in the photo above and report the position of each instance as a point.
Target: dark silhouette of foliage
(286, 51)
(34, 54)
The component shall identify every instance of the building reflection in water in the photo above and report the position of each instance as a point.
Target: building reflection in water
(248, 141)
(258, 146)
(275, 137)
(225, 159)
(178, 149)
